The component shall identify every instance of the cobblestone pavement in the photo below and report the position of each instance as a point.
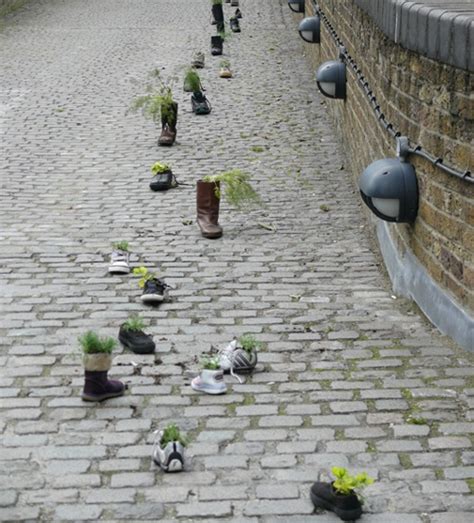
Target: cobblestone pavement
(350, 376)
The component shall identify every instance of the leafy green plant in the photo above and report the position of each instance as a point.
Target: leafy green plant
(172, 433)
(249, 343)
(91, 343)
(237, 189)
(134, 323)
(144, 274)
(216, 2)
(120, 246)
(192, 80)
(210, 363)
(225, 63)
(159, 168)
(158, 100)
(346, 484)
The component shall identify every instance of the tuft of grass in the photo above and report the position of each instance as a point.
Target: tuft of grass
(172, 433)
(324, 207)
(91, 343)
(121, 245)
(134, 323)
(257, 149)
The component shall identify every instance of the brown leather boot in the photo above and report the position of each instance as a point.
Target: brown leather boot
(208, 209)
(168, 125)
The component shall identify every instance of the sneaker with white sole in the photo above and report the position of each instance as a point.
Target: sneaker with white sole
(236, 360)
(210, 382)
(154, 291)
(171, 458)
(119, 262)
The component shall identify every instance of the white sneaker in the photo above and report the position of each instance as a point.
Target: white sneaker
(119, 262)
(225, 355)
(171, 458)
(235, 359)
(210, 382)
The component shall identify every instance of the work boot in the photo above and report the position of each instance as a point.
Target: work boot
(216, 45)
(168, 125)
(97, 387)
(208, 209)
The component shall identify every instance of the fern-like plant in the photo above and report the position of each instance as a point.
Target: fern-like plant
(237, 189)
(192, 80)
(91, 343)
(158, 101)
(172, 433)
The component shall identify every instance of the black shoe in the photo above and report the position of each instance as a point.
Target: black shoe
(348, 508)
(216, 45)
(234, 25)
(136, 341)
(238, 13)
(163, 181)
(154, 291)
(200, 104)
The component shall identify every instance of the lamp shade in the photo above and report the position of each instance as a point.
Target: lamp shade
(310, 29)
(390, 189)
(331, 79)
(296, 5)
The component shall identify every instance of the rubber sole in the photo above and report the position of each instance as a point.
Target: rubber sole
(152, 298)
(345, 515)
(208, 391)
(102, 397)
(119, 270)
(147, 349)
(175, 465)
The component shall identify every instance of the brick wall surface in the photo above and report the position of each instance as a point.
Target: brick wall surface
(430, 102)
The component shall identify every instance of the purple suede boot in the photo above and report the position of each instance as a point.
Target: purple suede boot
(97, 387)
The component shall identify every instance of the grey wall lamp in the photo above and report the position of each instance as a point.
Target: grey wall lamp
(389, 188)
(310, 29)
(331, 79)
(296, 5)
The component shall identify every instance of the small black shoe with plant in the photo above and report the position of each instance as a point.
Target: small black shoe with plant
(131, 335)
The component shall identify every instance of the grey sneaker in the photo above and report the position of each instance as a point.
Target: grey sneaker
(119, 262)
(198, 60)
(171, 458)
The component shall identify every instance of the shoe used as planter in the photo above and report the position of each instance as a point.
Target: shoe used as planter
(216, 45)
(97, 386)
(348, 508)
(238, 13)
(225, 72)
(136, 340)
(163, 181)
(207, 204)
(167, 136)
(210, 382)
(154, 291)
(237, 360)
(119, 262)
(198, 60)
(200, 104)
(234, 24)
(168, 125)
(171, 458)
(234, 3)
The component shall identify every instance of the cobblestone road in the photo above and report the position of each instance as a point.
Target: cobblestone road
(347, 368)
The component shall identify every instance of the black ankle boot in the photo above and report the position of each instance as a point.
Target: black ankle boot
(216, 45)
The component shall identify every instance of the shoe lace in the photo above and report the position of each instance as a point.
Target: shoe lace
(230, 353)
(119, 256)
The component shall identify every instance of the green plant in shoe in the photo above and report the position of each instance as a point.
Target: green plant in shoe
(216, 2)
(158, 101)
(145, 275)
(120, 246)
(91, 343)
(171, 433)
(192, 81)
(249, 343)
(237, 189)
(210, 363)
(134, 323)
(160, 168)
(346, 484)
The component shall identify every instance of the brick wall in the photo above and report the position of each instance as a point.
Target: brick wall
(431, 103)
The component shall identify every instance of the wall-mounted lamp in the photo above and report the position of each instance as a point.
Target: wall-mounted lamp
(390, 189)
(310, 29)
(331, 77)
(296, 5)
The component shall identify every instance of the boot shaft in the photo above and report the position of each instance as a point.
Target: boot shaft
(169, 115)
(206, 198)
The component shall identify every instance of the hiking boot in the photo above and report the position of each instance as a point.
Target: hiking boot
(200, 104)
(216, 45)
(97, 386)
(198, 60)
(136, 340)
(347, 507)
(155, 291)
(210, 382)
(171, 458)
(168, 125)
(163, 181)
(234, 25)
(119, 262)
